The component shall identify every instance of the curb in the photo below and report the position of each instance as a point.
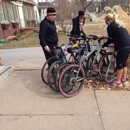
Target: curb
(5, 71)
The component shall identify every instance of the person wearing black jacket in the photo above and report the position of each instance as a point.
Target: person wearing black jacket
(121, 39)
(48, 33)
(78, 24)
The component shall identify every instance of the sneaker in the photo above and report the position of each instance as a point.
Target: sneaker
(125, 84)
(115, 84)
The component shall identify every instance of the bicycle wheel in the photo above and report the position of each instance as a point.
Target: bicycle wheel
(92, 66)
(71, 80)
(103, 66)
(45, 69)
(58, 72)
(51, 74)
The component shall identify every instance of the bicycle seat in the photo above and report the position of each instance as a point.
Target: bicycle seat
(59, 46)
(74, 50)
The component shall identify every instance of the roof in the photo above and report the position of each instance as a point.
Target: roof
(28, 1)
(43, 5)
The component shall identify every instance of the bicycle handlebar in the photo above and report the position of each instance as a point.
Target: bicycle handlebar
(100, 38)
(76, 36)
(91, 37)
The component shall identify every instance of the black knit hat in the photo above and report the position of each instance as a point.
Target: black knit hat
(81, 12)
(50, 11)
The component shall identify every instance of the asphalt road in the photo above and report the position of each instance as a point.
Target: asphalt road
(21, 55)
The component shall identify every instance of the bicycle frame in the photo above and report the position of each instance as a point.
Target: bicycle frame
(62, 56)
(111, 59)
(98, 48)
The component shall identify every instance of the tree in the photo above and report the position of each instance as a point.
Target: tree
(83, 3)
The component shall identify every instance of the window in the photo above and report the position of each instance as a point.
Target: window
(1, 13)
(26, 12)
(11, 14)
(30, 12)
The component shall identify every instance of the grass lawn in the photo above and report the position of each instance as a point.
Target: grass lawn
(33, 40)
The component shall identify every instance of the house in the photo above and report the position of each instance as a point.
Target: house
(16, 15)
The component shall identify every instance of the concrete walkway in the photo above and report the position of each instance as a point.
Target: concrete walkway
(26, 103)
(5, 71)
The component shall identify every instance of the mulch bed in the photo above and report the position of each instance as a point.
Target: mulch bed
(97, 84)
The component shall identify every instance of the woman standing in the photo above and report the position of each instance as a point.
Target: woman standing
(78, 23)
(117, 31)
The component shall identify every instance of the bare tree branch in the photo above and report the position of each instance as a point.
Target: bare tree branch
(84, 3)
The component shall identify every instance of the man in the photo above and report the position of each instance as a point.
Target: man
(48, 34)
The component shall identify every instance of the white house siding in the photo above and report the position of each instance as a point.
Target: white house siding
(20, 12)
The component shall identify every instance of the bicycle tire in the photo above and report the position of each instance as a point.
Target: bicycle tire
(103, 67)
(68, 77)
(58, 72)
(44, 72)
(92, 67)
(51, 74)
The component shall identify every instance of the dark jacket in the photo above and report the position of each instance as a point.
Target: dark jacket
(47, 33)
(119, 35)
(76, 27)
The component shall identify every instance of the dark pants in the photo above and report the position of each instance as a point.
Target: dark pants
(49, 54)
(121, 58)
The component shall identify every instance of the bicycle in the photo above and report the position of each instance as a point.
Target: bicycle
(60, 55)
(85, 48)
(107, 67)
(72, 77)
(53, 69)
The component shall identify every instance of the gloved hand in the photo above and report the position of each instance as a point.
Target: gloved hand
(85, 36)
(104, 45)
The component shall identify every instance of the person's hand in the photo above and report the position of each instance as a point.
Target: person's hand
(85, 36)
(47, 48)
(77, 42)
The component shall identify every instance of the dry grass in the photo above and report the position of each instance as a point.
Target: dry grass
(30, 41)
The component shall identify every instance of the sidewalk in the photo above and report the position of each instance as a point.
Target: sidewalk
(26, 103)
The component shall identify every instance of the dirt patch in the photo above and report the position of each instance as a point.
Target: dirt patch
(98, 84)
(20, 35)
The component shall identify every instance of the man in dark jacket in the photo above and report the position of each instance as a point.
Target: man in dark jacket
(48, 33)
